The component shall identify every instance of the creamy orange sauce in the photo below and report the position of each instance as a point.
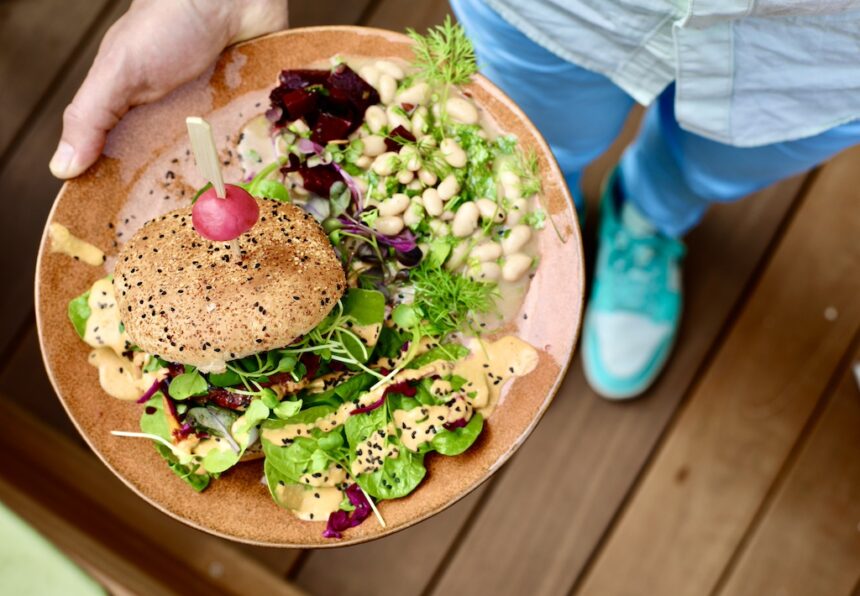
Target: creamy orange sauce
(63, 241)
(338, 417)
(373, 451)
(490, 366)
(119, 376)
(309, 503)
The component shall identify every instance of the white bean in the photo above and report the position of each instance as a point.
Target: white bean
(387, 89)
(511, 185)
(375, 118)
(439, 227)
(370, 74)
(415, 185)
(462, 110)
(447, 215)
(390, 225)
(432, 202)
(414, 214)
(426, 142)
(396, 117)
(385, 164)
(487, 271)
(427, 177)
(458, 256)
(453, 153)
(364, 162)
(448, 187)
(487, 251)
(516, 239)
(298, 126)
(417, 95)
(490, 210)
(419, 123)
(516, 265)
(517, 212)
(389, 68)
(466, 220)
(410, 157)
(405, 176)
(373, 145)
(395, 205)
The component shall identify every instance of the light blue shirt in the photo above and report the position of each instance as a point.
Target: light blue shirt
(747, 72)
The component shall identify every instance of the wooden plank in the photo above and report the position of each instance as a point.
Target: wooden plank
(36, 39)
(561, 492)
(807, 540)
(398, 565)
(59, 476)
(29, 189)
(711, 475)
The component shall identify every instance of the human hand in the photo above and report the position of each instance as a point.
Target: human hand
(153, 48)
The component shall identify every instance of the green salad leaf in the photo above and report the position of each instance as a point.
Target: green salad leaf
(188, 384)
(153, 421)
(79, 312)
(367, 307)
(455, 442)
(449, 351)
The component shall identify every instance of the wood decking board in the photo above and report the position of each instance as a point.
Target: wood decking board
(36, 39)
(807, 540)
(721, 457)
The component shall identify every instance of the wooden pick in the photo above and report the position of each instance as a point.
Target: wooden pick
(206, 156)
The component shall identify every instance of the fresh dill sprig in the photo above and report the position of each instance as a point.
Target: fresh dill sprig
(450, 301)
(444, 55)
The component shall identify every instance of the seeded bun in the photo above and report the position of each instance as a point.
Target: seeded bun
(189, 300)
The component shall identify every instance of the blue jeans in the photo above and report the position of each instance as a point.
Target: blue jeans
(669, 174)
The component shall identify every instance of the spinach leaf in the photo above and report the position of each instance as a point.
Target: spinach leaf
(352, 387)
(304, 417)
(188, 384)
(154, 422)
(448, 351)
(455, 442)
(367, 307)
(389, 343)
(397, 477)
(293, 460)
(257, 412)
(79, 312)
(227, 378)
(339, 198)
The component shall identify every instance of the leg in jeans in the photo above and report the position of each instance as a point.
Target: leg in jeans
(668, 177)
(578, 112)
(671, 175)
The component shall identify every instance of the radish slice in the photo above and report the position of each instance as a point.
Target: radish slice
(224, 219)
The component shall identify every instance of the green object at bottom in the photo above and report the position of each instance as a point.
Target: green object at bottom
(31, 565)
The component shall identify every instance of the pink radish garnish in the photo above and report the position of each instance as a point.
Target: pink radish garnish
(224, 219)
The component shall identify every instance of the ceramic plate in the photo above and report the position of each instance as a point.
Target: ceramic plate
(147, 170)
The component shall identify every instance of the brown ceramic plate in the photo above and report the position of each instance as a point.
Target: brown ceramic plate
(131, 184)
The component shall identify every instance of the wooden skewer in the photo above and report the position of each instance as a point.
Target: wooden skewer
(206, 156)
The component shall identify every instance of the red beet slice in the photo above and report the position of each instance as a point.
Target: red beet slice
(392, 144)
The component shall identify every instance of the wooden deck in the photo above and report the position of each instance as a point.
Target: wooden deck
(739, 473)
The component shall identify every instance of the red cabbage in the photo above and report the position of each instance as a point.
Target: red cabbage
(149, 392)
(402, 242)
(341, 520)
(456, 424)
(403, 387)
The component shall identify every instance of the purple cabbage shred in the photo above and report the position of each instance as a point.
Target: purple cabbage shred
(340, 520)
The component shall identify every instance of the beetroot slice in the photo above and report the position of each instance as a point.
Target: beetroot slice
(329, 127)
(319, 179)
(392, 144)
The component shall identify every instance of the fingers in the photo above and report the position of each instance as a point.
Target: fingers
(97, 106)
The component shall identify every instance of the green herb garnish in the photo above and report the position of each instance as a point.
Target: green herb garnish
(444, 55)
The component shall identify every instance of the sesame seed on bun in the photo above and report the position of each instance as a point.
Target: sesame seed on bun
(189, 300)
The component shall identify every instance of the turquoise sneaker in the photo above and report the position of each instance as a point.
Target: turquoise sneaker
(635, 307)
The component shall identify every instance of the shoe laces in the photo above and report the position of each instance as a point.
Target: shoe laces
(638, 264)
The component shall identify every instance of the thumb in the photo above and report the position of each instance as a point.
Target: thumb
(97, 106)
